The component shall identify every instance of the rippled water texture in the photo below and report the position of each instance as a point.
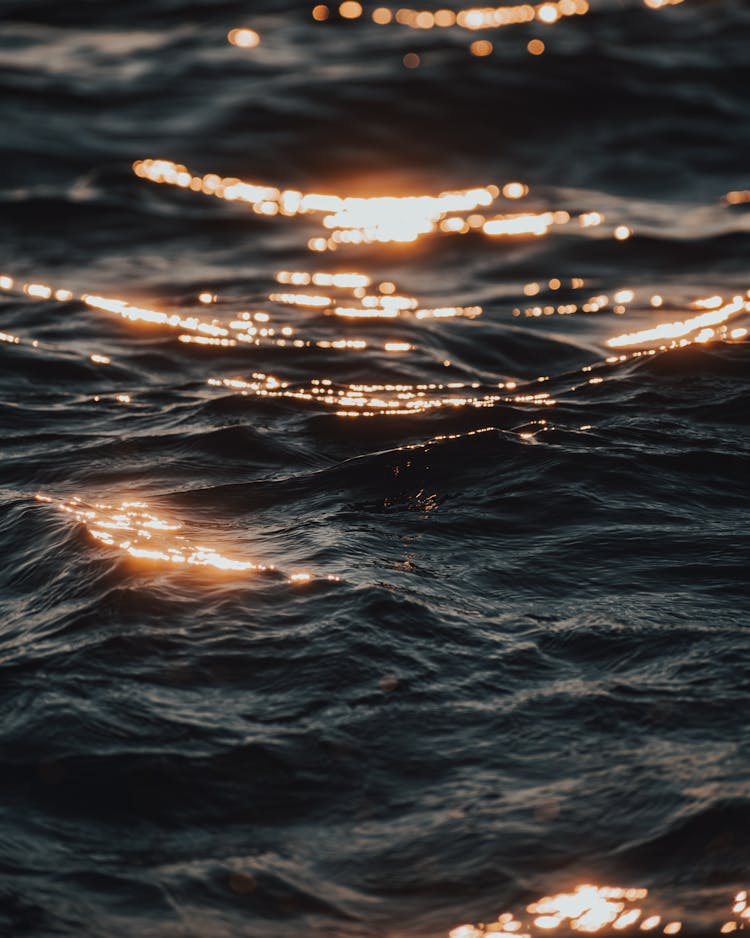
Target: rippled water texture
(371, 568)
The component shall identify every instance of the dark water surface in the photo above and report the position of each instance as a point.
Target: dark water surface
(522, 662)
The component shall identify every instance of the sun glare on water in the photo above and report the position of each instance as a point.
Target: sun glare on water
(134, 529)
(590, 909)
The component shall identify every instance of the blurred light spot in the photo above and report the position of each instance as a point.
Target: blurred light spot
(381, 16)
(350, 9)
(515, 190)
(244, 38)
(481, 47)
(547, 13)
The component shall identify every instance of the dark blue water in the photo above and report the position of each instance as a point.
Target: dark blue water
(521, 663)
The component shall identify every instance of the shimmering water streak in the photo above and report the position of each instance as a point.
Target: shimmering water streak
(590, 909)
(407, 399)
(134, 529)
(371, 400)
(737, 197)
(117, 307)
(617, 303)
(699, 328)
(248, 329)
(42, 291)
(10, 339)
(472, 18)
(374, 307)
(341, 281)
(381, 219)
(254, 329)
(385, 304)
(378, 219)
(528, 223)
(740, 914)
(133, 313)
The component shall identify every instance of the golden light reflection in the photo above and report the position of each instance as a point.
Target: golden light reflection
(694, 329)
(41, 291)
(134, 529)
(617, 304)
(342, 281)
(737, 197)
(481, 48)
(386, 304)
(248, 329)
(257, 328)
(472, 18)
(590, 219)
(372, 400)
(590, 909)
(350, 9)
(380, 219)
(244, 38)
(537, 224)
(475, 18)
(515, 190)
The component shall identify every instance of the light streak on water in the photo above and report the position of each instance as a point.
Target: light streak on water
(694, 329)
(256, 329)
(374, 400)
(593, 909)
(133, 313)
(248, 329)
(617, 303)
(401, 398)
(379, 219)
(524, 224)
(136, 530)
(547, 13)
(41, 291)
(133, 528)
(388, 307)
(737, 197)
(473, 18)
(386, 304)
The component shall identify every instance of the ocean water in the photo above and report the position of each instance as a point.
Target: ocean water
(380, 605)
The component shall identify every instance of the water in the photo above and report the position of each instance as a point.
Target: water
(268, 669)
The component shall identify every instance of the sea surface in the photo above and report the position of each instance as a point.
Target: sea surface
(329, 624)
